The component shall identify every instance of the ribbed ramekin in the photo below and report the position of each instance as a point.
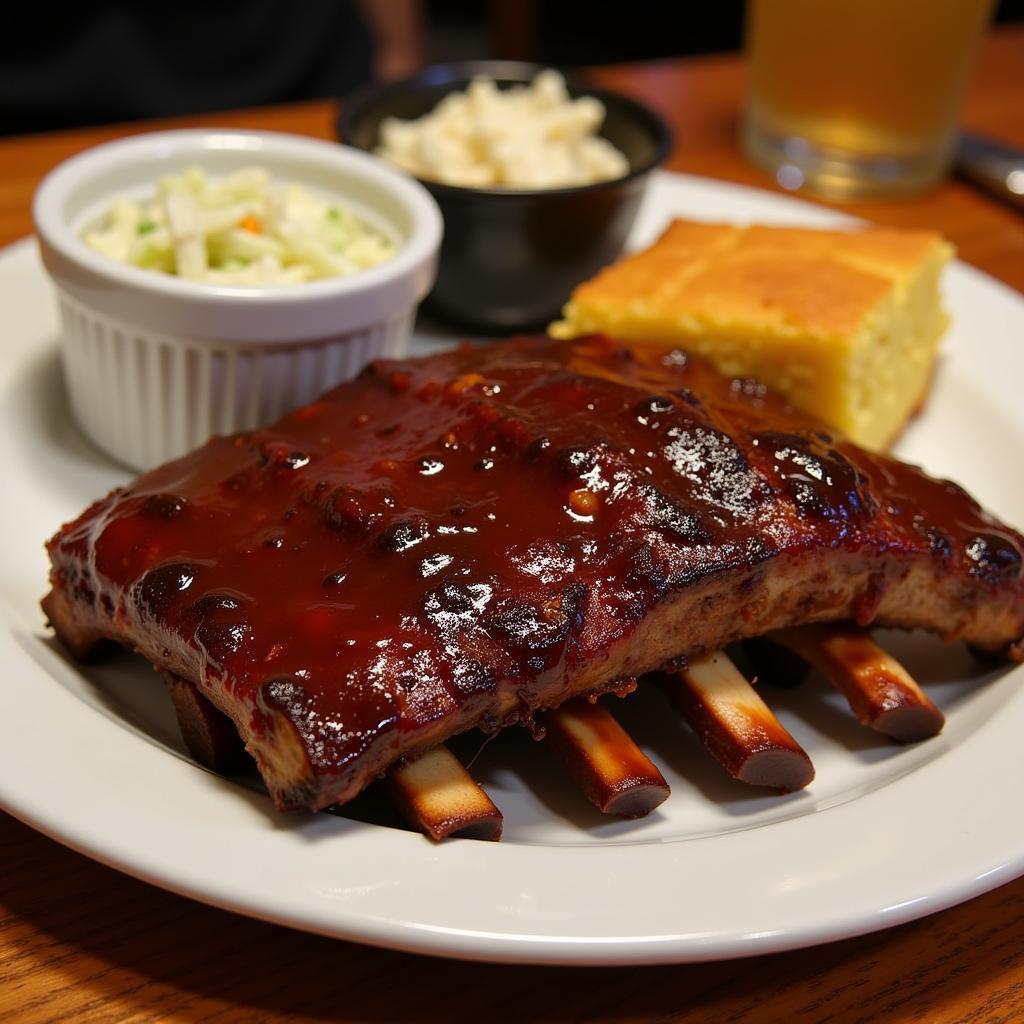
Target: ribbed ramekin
(155, 364)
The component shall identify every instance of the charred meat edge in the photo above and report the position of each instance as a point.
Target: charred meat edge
(788, 590)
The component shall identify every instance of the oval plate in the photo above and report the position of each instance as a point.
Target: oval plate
(885, 834)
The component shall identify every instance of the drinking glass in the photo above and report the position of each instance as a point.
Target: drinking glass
(858, 98)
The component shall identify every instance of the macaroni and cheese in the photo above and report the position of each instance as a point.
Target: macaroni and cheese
(525, 137)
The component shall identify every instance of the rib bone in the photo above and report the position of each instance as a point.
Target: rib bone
(436, 793)
(433, 792)
(880, 691)
(736, 725)
(613, 772)
(211, 737)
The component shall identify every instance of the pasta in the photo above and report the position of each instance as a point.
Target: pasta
(526, 137)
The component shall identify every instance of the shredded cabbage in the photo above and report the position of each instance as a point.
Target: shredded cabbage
(241, 229)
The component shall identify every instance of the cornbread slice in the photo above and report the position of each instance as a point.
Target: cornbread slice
(845, 324)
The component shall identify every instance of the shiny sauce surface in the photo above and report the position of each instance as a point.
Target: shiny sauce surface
(385, 554)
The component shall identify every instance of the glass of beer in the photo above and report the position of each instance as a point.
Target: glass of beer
(858, 98)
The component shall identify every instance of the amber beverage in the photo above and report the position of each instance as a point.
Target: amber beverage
(858, 97)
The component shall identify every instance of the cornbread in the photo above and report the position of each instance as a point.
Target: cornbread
(845, 324)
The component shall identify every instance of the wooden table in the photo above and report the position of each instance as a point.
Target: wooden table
(80, 942)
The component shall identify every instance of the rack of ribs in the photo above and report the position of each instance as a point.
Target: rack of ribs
(475, 538)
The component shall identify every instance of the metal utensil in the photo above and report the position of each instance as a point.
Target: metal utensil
(996, 167)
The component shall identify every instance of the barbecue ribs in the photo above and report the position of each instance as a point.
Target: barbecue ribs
(464, 539)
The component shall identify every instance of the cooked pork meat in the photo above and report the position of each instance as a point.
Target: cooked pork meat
(464, 539)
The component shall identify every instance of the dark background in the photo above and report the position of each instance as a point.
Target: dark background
(123, 60)
(576, 32)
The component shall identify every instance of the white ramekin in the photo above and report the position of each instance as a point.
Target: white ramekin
(155, 364)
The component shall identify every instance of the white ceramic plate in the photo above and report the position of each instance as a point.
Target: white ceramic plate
(883, 835)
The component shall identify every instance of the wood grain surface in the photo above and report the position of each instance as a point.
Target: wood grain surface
(80, 942)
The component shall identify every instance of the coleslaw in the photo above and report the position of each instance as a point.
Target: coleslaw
(240, 229)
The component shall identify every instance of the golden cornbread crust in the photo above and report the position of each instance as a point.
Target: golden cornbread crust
(846, 324)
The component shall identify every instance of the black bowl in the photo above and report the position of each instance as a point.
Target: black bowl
(510, 257)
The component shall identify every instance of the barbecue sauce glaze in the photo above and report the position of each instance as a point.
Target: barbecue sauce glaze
(389, 552)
